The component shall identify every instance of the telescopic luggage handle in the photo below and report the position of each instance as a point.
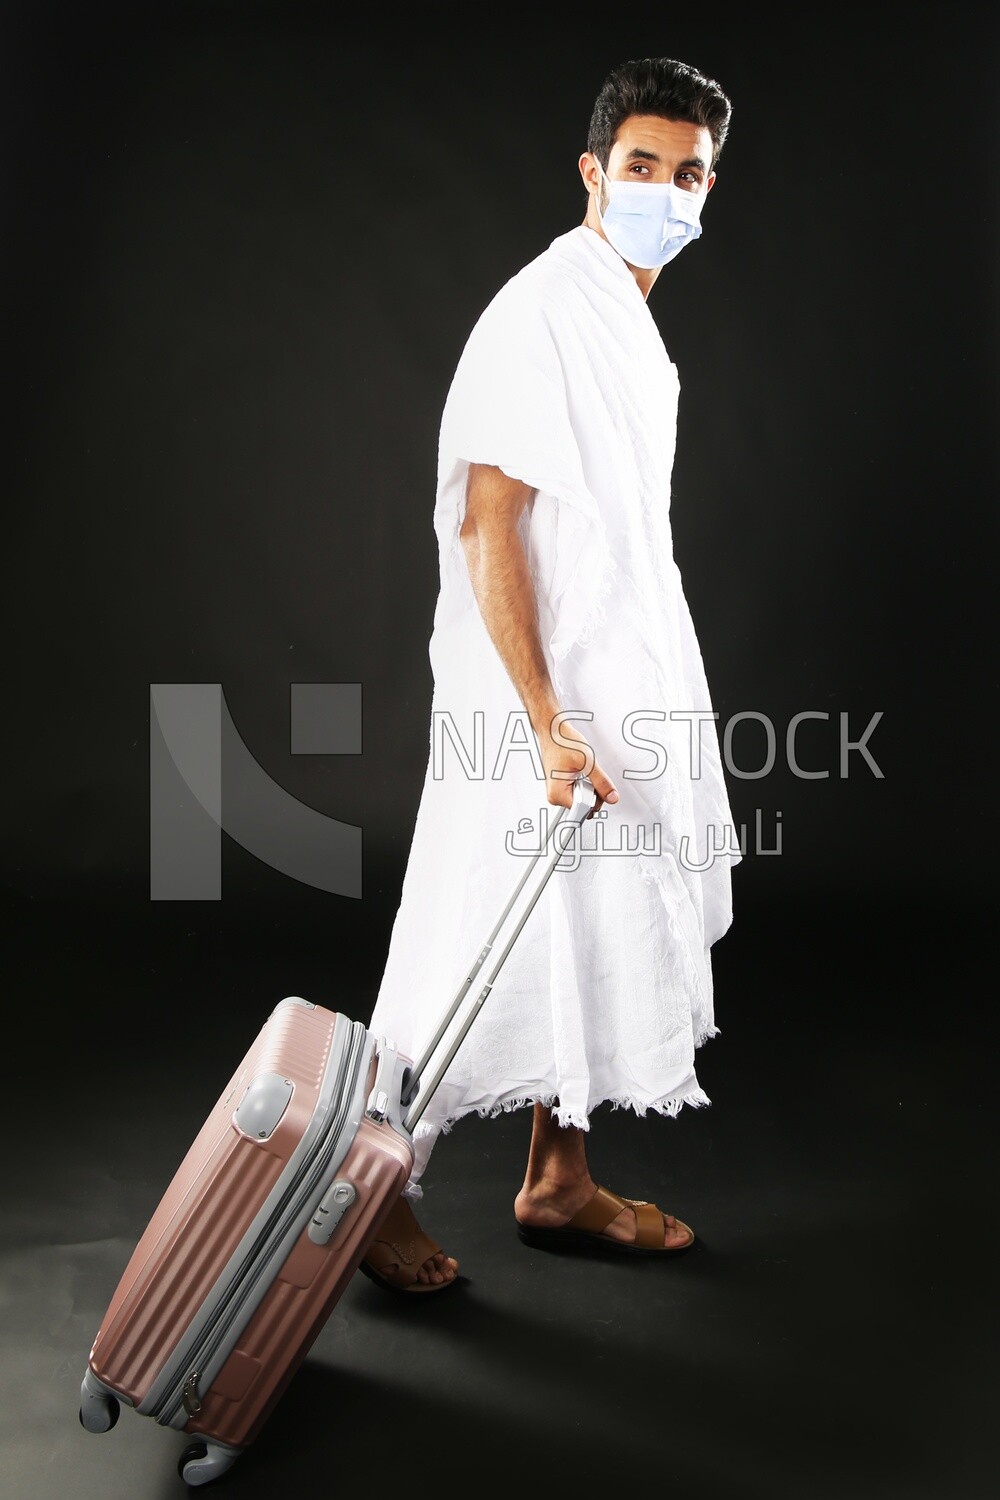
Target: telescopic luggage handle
(584, 801)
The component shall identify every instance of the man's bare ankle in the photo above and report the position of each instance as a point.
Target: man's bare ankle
(557, 1182)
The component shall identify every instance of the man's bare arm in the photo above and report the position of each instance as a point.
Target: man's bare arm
(502, 583)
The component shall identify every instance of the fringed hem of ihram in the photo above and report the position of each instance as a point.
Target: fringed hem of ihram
(669, 1104)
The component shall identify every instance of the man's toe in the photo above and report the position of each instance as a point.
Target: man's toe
(437, 1269)
(676, 1234)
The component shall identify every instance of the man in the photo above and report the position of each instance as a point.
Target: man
(560, 596)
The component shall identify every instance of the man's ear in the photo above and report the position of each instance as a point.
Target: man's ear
(709, 182)
(589, 172)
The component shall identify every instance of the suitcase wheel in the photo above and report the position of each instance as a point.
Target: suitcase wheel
(98, 1413)
(202, 1463)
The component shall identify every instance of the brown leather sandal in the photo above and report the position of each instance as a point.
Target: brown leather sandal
(583, 1230)
(397, 1252)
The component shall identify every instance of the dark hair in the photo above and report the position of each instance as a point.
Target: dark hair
(657, 86)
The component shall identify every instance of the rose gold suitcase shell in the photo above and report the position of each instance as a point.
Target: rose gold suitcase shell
(186, 1338)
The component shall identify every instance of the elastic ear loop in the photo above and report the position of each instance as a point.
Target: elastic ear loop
(597, 204)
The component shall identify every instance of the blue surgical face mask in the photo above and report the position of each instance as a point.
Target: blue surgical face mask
(648, 223)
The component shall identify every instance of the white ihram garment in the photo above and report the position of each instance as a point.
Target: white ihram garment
(565, 384)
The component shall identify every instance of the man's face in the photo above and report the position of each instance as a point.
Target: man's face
(650, 149)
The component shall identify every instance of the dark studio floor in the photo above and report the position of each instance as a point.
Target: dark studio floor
(830, 1335)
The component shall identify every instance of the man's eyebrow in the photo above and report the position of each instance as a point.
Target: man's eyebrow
(638, 154)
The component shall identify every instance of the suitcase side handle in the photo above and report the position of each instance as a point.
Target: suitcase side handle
(552, 850)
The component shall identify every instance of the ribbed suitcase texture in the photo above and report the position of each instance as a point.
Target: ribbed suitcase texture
(232, 1171)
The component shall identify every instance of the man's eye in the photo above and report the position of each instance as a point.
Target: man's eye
(638, 166)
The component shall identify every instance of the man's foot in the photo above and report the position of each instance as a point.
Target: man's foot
(402, 1257)
(551, 1205)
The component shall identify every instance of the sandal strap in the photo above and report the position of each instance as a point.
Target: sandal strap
(400, 1243)
(597, 1214)
(648, 1226)
(605, 1205)
(398, 1260)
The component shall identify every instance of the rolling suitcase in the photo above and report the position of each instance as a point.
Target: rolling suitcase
(274, 1206)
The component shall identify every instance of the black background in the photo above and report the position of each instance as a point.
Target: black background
(244, 245)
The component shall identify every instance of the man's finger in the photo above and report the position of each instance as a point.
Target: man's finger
(605, 789)
(564, 796)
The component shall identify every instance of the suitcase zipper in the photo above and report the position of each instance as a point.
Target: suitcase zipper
(242, 1278)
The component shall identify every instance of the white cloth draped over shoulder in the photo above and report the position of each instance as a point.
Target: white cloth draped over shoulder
(565, 384)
